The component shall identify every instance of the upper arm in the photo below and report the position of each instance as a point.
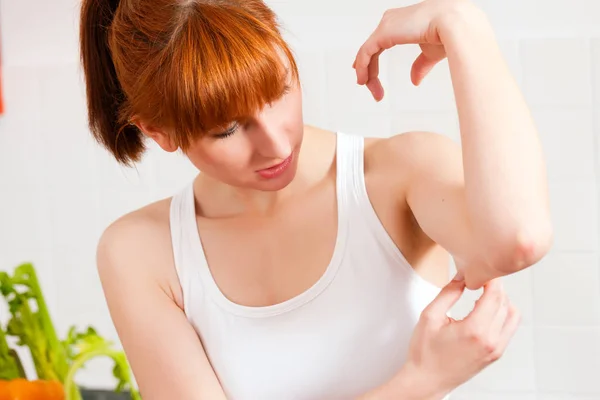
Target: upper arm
(428, 169)
(165, 354)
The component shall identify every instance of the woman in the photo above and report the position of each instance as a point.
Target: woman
(302, 263)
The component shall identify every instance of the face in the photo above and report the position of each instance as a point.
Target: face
(259, 153)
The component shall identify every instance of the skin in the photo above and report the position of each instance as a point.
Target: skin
(484, 204)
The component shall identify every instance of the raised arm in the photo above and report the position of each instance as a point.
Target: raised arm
(487, 204)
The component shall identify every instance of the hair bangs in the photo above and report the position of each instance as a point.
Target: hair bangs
(225, 65)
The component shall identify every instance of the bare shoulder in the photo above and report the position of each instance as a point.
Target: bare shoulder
(146, 220)
(138, 244)
(413, 153)
(132, 234)
(136, 268)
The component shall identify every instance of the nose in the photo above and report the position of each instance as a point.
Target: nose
(270, 141)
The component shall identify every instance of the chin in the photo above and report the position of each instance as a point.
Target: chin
(273, 186)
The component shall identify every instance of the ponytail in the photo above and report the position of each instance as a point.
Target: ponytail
(185, 67)
(105, 97)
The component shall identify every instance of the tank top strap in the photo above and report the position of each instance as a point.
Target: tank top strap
(350, 165)
(182, 221)
(361, 211)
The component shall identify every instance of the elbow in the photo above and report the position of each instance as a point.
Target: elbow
(529, 250)
(525, 248)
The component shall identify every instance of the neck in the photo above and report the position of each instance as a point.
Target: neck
(315, 164)
(229, 201)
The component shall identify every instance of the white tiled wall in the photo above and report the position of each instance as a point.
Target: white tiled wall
(59, 190)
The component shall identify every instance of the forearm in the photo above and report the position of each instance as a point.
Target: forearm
(505, 176)
(407, 384)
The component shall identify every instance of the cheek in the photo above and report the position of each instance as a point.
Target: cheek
(221, 157)
(295, 100)
(297, 106)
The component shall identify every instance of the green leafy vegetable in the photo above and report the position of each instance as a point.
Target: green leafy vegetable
(53, 359)
(87, 345)
(33, 328)
(10, 364)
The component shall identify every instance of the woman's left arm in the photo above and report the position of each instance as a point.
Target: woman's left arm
(495, 189)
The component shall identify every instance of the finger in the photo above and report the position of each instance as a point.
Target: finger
(376, 43)
(363, 59)
(488, 305)
(513, 319)
(445, 299)
(374, 84)
(420, 68)
(500, 319)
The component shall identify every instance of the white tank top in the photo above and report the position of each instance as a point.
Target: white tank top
(344, 336)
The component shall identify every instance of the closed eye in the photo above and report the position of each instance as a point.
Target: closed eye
(236, 125)
(228, 132)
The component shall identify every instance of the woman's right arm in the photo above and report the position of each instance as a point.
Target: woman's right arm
(165, 354)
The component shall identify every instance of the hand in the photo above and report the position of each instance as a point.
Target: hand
(445, 352)
(419, 24)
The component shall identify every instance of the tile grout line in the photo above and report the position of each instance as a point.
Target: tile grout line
(522, 70)
(595, 83)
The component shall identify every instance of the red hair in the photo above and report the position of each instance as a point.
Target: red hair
(184, 66)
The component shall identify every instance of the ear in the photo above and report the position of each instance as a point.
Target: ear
(161, 137)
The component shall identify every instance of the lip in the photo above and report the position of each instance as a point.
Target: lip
(276, 170)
